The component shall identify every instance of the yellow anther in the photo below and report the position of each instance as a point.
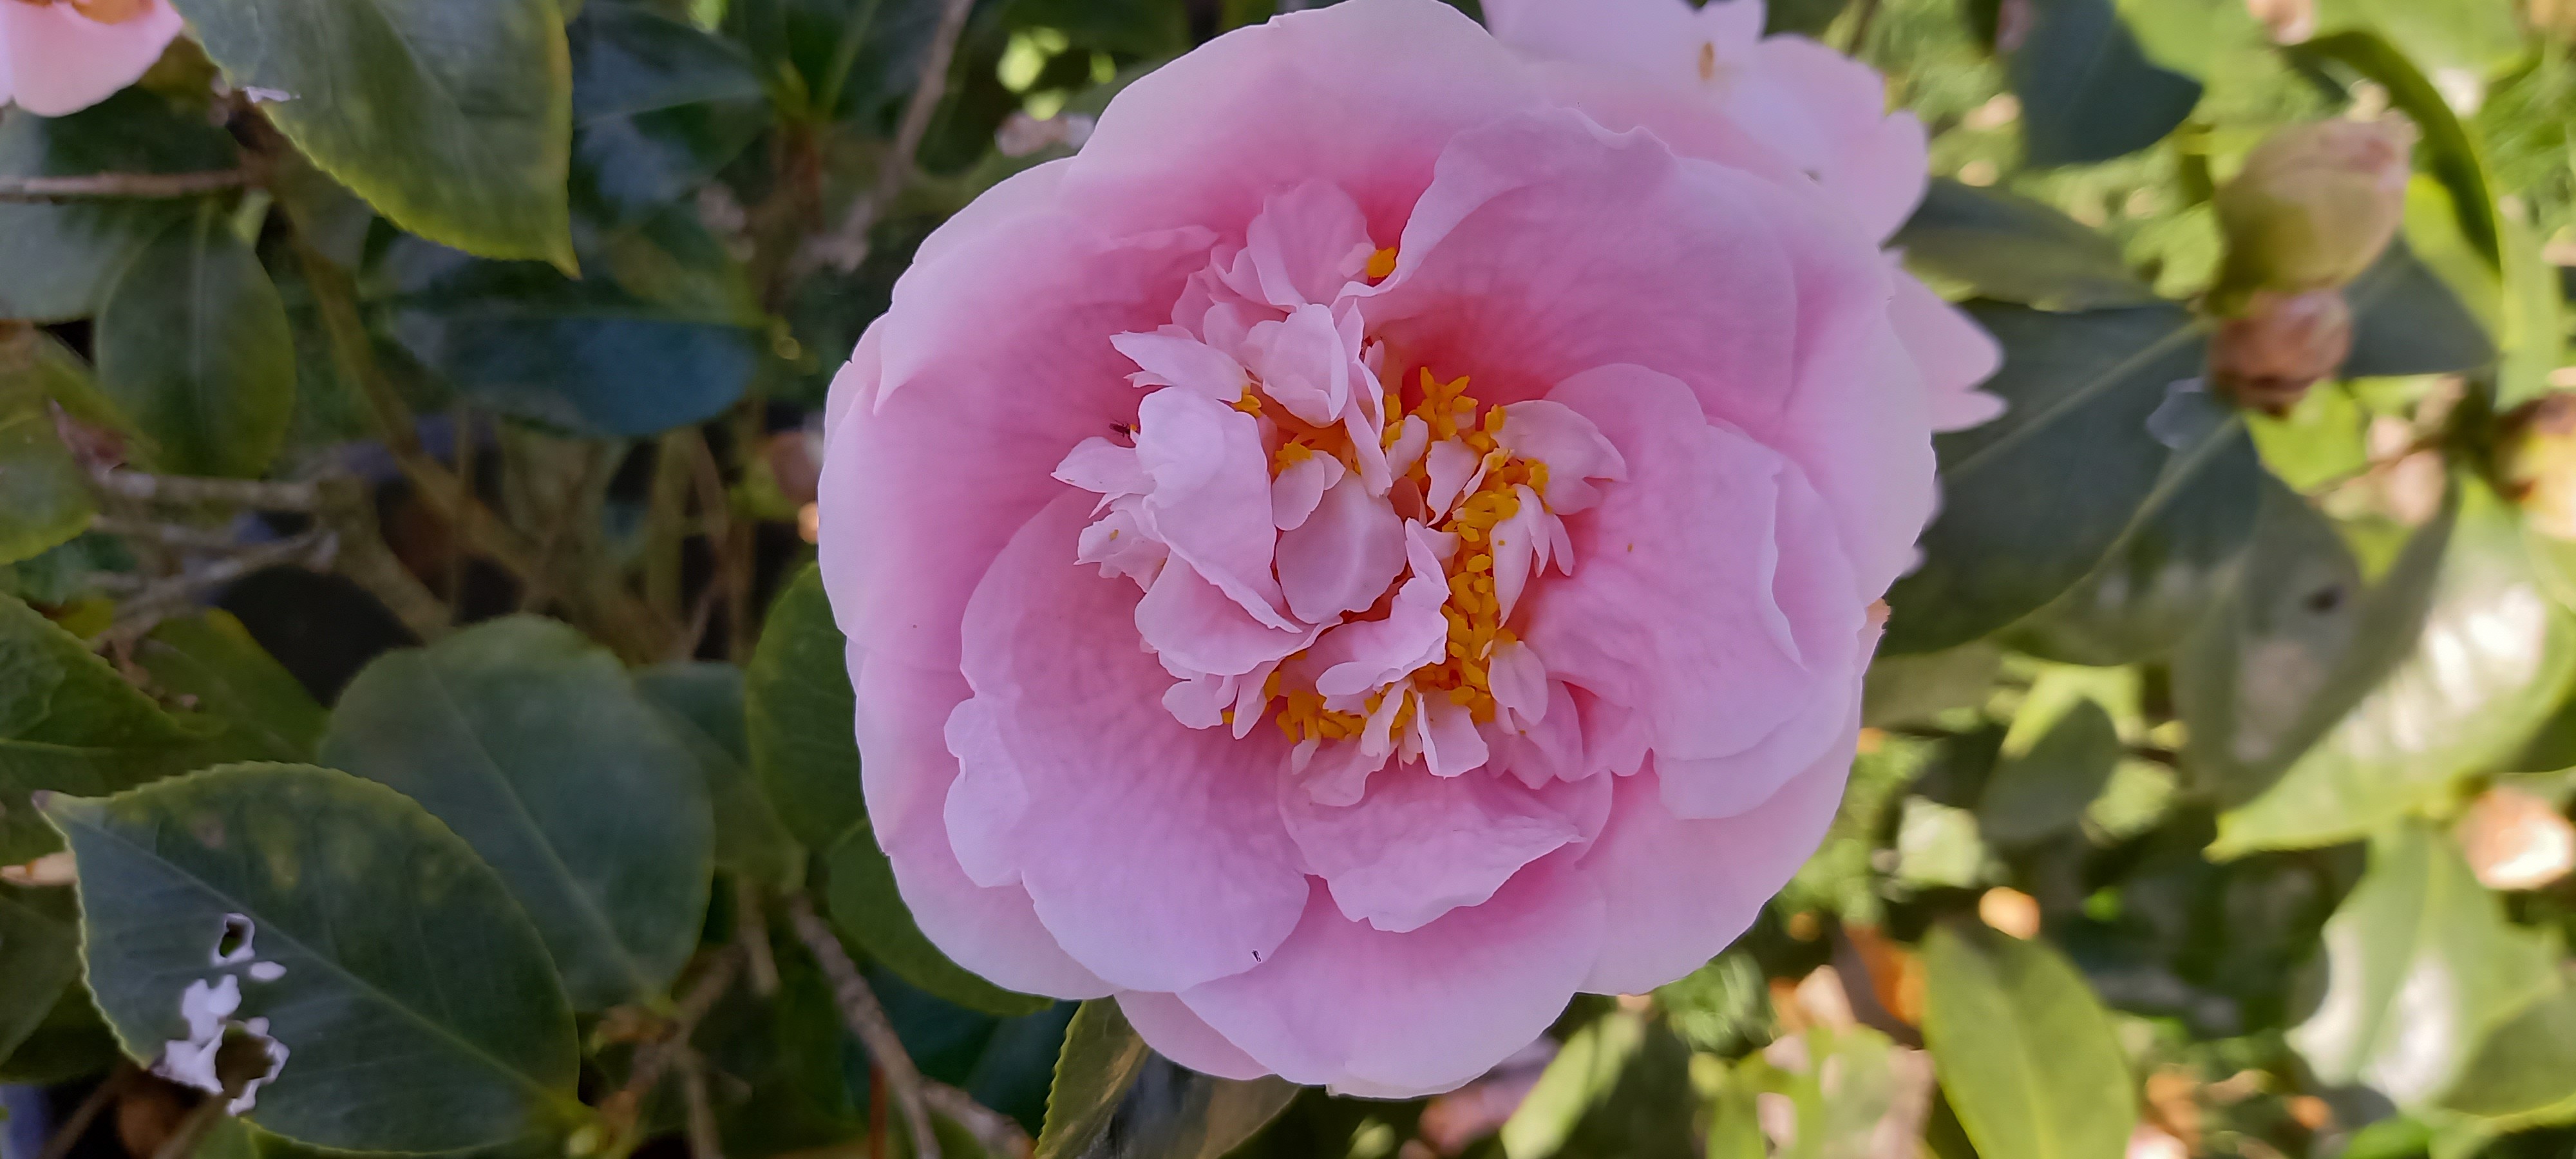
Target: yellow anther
(1381, 263)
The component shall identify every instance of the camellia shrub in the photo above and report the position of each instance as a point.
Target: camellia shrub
(1846, 579)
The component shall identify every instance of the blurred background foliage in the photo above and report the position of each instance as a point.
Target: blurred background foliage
(2213, 800)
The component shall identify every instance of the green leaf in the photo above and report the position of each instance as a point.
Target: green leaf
(797, 698)
(2032, 501)
(44, 495)
(1851, 1091)
(2524, 1072)
(453, 117)
(2475, 37)
(703, 704)
(2024, 1050)
(1116, 1099)
(2296, 644)
(40, 956)
(2012, 249)
(193, 348)
(70, 724)
(658, 106)
(1913, 689)
(2046, 790)
(2407, 320)
(57, 261)
(532, 743)
(210, 662)
(2446, 151)
(2168, 571)
(2494, 659)
(2420, 964)
(2087, 92)
(2534, 323)
(867, 907)
(417, 1003)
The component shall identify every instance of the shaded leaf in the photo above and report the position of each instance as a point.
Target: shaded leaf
(531, 742)
(2012, 249)
(2025, 1052)
(397, 944)
(703, 703)
(2420, 965)
(867, 907)
(57, 260)
(2046, 790)
(2013, 533)
(210, 662)
(658, 106)
(1116, 1099)
(2524, 1071)
(1912, 689)
(194, 350)
(798, 701)
(453, 117)
(70, 724)
(40, 956)
(2407, 320)
(2087, 91)
(44, 494)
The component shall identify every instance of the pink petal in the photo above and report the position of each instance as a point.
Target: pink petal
(1362, 655)
(1154, 852)
(1306, 244)
(1416, 846)
(1172, 356)
(1573, 449)
(1211, 496)
(1193, 625)
(1389, 1015)
(1659, 39)
(1294, 494)
(1828, 113)
(988, 799)
(1451, 746)
(1176, 1033)
(1550, 750)
(1343, 557)
(1104, 468)
(1955, 354)
(1303, 364)
(1656, 932)
(55, 61)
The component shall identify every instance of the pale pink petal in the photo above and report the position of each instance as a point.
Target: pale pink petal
(1211, 496)
(1343, 557)
(1306, 244)
(1658, 932)
(1174, 357)
(1364, 654)
(1174, 1032)
(1550, 750)
(988, 799)
(1154, 852)
(1107, 469)
(1303, 364)
(1417, 846)
(1519, 680)
(1294, 494)
(59, 61)
(1453, 469)
(1955, 354)
(1122, 546)
(1660, 39)
(1027, 193)
(1385, 1015)
(1195, 626)
(1451, 746)
(1828, 114)
(1572, 448)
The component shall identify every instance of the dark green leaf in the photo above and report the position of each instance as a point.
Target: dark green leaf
(2524, 1073)
(1611, 1089)
(40, 956)
(71, 1041)
(44, 494)
(658, 106)
(703, 703)
(70, 724)
(193, 349)
(2494, 658)
(1114, 1098)
(399, 947)
(2420, 964)
(798, 700)
(2012, 249)
(2032, 501)
(1913, 689)
(533, 745)
(2024, 1050)
(838, 59)
(2045, 790)
(2168, 571)
(2406, 320)
(2447, 152)
(2295, 645)
(210, 663)
(867, 907)
(2087, 92)
(453, 117)
(57, 261)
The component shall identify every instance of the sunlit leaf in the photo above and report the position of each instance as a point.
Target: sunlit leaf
(2024, 1050)
(1114, 1098)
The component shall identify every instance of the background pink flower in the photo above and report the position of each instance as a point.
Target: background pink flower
(1382, 540)
(60, 56)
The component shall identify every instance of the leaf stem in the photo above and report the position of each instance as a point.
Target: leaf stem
(867, 1020)
(89, 185)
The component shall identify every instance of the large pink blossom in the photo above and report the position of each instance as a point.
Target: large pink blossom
(1382, 540)
(62, 56)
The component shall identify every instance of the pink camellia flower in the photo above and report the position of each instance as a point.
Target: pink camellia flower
(1385, 538)
(62, 56)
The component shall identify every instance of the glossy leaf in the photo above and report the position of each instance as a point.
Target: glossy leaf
(2495, 657)
(2024, 1050)
(2420, 964)
(2087, 92)
(798, 701)
(57, 260)
(2045, 790)
(867, 907)
(397, 944)
(2407, 320)
(2032, 501)
(703, 704)
(1114, 1098)
(44, 494)
(40, 956)
(534, 746)
(453, 117)
(2296, 644)
(2524, 1071)
(194, 351)
(2012, 249)
(210, 662)
(658, 107)
(70, 724)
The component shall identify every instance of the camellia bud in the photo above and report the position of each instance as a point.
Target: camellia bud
(2313, 208)
(2514, 840)
(2267, 355)
(2539, 464)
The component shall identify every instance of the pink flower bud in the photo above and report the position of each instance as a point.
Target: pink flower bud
(2267, 356)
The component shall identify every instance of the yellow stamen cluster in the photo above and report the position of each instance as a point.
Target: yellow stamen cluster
(1381, 263)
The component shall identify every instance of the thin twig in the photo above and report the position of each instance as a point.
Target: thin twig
(178, 535)
(265, 496)
(751, 928)
(704, 1141)
(847, 245)
(999, 1134)
(701, 996)
(349, 508)
(101, 1097)
(462, 532)
(867, 1019)
(88, 185)
(159, 599)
